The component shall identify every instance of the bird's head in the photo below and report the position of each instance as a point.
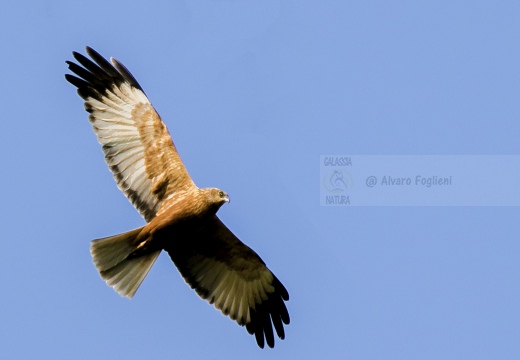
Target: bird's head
(216, 197)
(220, 196)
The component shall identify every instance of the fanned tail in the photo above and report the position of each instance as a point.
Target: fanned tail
(123, 273)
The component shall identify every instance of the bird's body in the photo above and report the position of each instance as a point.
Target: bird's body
(181, 218)
(176, 220)
(199, 207)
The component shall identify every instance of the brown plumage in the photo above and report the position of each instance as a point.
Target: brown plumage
(181, 218)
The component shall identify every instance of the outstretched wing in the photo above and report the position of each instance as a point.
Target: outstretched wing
(138, 148)
(229, 274)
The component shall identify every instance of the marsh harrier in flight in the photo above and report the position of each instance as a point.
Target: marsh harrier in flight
(180, 218)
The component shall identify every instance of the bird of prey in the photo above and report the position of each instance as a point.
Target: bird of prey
(180, 217)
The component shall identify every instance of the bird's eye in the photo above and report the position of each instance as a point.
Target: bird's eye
(221, 193)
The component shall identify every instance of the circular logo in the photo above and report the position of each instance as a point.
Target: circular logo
(337, 181)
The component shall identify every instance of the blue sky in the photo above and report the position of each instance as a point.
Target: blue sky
(253, 92)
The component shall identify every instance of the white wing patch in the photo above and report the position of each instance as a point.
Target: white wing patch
(124, 152)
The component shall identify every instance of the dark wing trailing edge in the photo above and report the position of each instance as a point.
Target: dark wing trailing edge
(138, 148)
(227, 273)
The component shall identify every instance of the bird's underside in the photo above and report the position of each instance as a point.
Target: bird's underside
(181, 218)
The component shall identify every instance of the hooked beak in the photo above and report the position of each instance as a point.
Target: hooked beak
(226, 198)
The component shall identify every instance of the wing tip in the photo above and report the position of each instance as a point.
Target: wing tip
(100, 71)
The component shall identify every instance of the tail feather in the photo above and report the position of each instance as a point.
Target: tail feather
(123, 274)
